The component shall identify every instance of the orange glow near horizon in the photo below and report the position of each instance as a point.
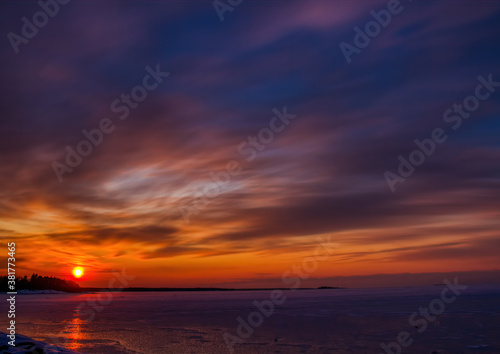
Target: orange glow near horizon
(200, 259)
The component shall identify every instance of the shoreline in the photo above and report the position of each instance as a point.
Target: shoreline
(138, 289)
(24, 344)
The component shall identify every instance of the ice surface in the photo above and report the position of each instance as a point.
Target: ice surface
(309, 321)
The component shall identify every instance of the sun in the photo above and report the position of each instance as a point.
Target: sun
(78, 272)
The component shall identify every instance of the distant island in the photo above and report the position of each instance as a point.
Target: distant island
(330, 287)
(38, 282)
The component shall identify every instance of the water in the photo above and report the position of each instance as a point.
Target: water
(309, 321)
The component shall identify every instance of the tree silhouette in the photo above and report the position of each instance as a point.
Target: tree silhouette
(38, 282)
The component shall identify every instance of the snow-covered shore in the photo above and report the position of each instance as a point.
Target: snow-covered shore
(28, 292)
(27, 345)
(36, 292)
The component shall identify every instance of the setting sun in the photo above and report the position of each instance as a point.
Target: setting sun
(78, 272)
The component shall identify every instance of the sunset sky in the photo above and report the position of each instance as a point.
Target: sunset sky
(322, 174)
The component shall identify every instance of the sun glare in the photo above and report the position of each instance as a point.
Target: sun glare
(78, 272)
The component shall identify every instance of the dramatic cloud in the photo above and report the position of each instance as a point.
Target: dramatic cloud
(125, 204)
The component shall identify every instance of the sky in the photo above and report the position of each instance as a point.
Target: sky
(303, 140)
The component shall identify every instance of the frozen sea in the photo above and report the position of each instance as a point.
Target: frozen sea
(309, 321)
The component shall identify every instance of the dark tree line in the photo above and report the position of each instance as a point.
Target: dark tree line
(37, 282)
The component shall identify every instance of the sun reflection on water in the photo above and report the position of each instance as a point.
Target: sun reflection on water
(74, 334)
